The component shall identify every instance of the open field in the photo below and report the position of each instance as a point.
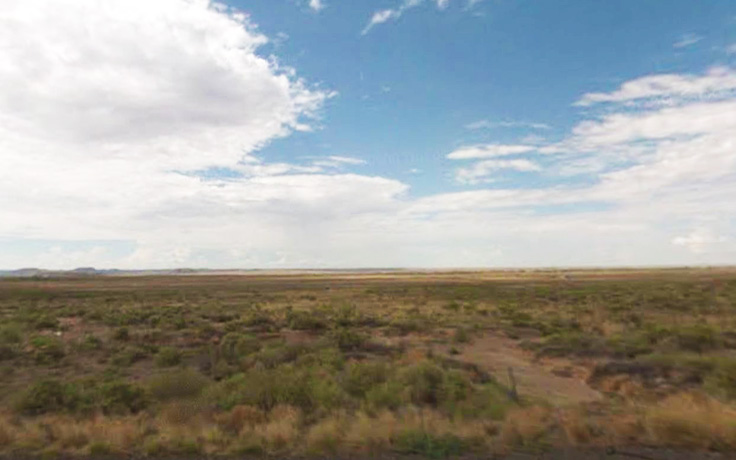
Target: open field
(433, 364)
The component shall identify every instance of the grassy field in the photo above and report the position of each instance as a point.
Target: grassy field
(435, 364)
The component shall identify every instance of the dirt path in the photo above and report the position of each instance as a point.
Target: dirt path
(495, 353)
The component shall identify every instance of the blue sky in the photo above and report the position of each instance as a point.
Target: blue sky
(334, 133)
(408, 89)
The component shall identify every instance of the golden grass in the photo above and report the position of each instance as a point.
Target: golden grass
(525, 426)
(371, 432)
(7, 433)
(685, 421)
(692, 421)
(279, 432)
(326, 436)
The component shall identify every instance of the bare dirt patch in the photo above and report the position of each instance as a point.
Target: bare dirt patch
(497, 353)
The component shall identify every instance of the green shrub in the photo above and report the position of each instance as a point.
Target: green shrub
(423, 383)
(128, 356)
(387, 395)
(185, 383)
(49, 396)
(347, 339)
(47, 349)
(697, 337)
(122, 333)
(461, 335)
(267, 388)
(304, 320)
(10, 334)
(90, 343)
(723, 378)
(45, 321)
(122, 398)
(278, 354)
(235, 346)
(360, 377)
(406, 326)
(168, 357)
(7, 352)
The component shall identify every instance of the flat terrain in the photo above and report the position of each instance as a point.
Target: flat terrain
(370, 363)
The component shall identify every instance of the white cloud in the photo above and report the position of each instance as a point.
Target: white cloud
(316, 5)
(379, 17)
(687, 40)
(699, 240)
(731, 49)
(140, 122)
(336, 161)
(718, 82)
(488, 151)
(392, 14)
(487, 124)
(482, 170)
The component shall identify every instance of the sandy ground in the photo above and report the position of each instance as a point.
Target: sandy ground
(496, 353)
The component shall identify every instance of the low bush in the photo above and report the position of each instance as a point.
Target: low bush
(235, 346)
(306, 320)
(168, 357)
(182, 384)
(122, 398)
(47, 349)
(723, 378)
(268, 388)
(122, 333)
(128, 356)
(361, 377)
(49, 396)
(347, 339)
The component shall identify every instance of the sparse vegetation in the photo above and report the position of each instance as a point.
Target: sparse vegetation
(261, 365)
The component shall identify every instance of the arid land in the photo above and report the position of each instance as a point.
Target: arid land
(370, 363)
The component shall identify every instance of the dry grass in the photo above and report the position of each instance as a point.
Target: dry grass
(372, 432)
(240, 417)
(280, 431)
(413, 316)
(327, 435)
(686, 421)
(7, 432)
(525, 427)
(692, 421)
(576, 427)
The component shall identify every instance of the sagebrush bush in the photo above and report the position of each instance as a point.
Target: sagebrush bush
(47, 349)
(360, 377)
(347, 339)
(168, 357)
(48, 396)
(235, 346)
(181, 384)
(119, 397)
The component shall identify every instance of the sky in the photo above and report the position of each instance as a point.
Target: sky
(367, 133)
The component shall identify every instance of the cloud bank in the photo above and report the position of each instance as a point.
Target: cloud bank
(137, 125)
